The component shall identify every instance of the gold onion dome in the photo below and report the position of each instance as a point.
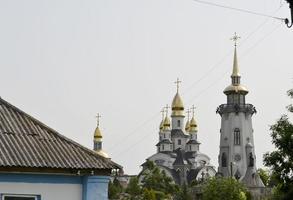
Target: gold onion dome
(177, 106)
(187, 126)
(193, 125)
(98, 134)
(167, 123)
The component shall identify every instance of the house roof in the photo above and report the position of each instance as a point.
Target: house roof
(26, 142)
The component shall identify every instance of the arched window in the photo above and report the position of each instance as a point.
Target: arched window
(236, 136)
(224, 160)
(178, 123)
(179, 142)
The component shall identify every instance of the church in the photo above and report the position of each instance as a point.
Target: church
(178, 153)
(237, 150)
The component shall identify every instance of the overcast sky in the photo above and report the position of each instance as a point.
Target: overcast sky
(63, 61)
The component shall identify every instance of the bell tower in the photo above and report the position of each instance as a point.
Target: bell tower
(236, 156)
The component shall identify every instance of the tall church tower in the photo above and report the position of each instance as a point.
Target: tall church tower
(237, 157)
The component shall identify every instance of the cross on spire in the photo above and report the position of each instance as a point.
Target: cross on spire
(163, 112)
(235, 38)
(166, 108)
(177, 82)
(98, 119)
(193, 109)
(188, 112)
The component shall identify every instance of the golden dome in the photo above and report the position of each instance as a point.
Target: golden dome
(102, 153)
(235, 88)
(177, 106)
(187, 126)
(193, 125)
(162, 125)
(98, 134)
(167, 123)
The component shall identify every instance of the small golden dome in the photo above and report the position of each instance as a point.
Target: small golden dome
(235, 88)
(193, 125)
(167, 123)
(177, 106)
(162, 125)
(98, 134)
(102, 153)
(187, 126)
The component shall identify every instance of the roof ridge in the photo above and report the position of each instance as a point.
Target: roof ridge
(52, 131)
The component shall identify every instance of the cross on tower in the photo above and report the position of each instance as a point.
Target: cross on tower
(163, 112)
(235, 38)
(98, 119)
(166, 108)
(193, 109)
(177, 82)
(188, 112)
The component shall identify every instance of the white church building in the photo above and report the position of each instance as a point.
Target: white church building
(178, 152)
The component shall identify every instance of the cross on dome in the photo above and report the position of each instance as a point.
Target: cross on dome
(177, 82)
(235, 38)
(98, 119)
(188, 112)
(193, 109)
(166, 109)
(163, 112)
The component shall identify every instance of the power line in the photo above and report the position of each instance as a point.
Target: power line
(239, 9)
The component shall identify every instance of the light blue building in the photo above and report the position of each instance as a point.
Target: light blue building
(38, 163)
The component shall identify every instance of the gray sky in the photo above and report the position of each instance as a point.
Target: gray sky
(62, 61)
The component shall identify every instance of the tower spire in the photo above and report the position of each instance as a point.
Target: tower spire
(235, 73)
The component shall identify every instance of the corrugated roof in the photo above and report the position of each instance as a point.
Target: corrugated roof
(27, 142)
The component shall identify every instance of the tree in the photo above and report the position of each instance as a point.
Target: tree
(219, 188)
(114, 189)
(264, 175)
(281, 160)
(157, 180)
(133, 187)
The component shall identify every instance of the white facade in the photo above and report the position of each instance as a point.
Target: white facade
(47, 191)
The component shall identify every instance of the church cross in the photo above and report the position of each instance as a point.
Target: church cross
(163, 112)
(167, 108)
(235, 38)
(98, 119)
(188, 112)
(177, 82)
(193, 109)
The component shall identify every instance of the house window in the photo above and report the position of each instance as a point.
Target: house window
(236, 136)
(20, 197)
(179, 142)
(178, 123)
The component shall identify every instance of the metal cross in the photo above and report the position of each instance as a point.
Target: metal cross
(177, 82)
(163, 112)
(193, 109)
(235, 38)
(188, 112)
(98, 119)
(166, 108)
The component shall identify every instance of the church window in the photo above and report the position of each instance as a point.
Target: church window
(179, 142)
(164, 135)
(190, 148)
(162, 147)
(236, 136)
(224, 160)
(178, 123)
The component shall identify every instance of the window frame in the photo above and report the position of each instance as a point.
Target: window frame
(237, 138)
(36, 197)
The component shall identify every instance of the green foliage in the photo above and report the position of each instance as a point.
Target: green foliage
(133, 187)
(264, 175)
(281, 160)
(114, 189)
(149, 194)
(183, 194)
(224, 188)
(157, 180)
